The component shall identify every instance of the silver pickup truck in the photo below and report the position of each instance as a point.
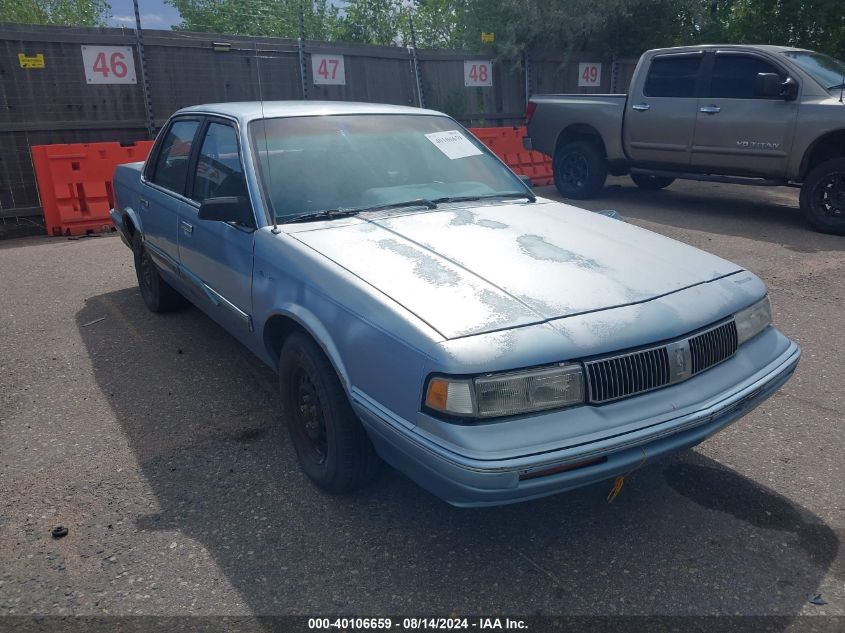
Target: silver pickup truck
(759, 115)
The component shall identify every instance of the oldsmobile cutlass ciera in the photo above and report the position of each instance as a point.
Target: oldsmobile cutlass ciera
(421, 305)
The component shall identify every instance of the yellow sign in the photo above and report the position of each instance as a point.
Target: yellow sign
(31, 61)
(487, 38)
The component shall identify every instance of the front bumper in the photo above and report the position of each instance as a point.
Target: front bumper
(473, 481)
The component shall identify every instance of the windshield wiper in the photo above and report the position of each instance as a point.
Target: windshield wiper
(514, 194)
(345, 212)
(836, 87)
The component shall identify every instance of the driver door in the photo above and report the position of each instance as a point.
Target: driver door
(216, 257)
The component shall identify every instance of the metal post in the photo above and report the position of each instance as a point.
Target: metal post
(416, 63)
(526, 67)
(145, 85)
(303, 75)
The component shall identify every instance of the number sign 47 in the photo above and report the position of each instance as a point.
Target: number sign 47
(328, 70)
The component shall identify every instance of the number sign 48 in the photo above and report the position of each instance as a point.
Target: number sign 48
(478, 74)
(108, 64)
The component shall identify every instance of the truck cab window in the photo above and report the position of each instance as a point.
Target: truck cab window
(219, 172)
(672, 76)
(734, 76)
(172, 164)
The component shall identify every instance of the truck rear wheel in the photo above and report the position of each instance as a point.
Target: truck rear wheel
(823, 197)
(651, 183)
(580, 170)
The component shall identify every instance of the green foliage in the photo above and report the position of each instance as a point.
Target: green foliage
(273, 18)
(381, 22)
(64, 12)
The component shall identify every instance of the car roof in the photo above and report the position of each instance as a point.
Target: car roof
(251, 110)
(769, 48)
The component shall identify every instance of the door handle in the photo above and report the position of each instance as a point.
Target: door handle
(186, 227)
(640, 107)
(145, 203)
(711, 109)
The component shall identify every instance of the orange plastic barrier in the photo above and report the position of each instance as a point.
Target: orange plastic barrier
(506, 143)
(75, 183)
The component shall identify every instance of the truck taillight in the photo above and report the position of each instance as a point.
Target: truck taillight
(529, 111)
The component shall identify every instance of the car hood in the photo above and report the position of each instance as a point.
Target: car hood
(469, 270)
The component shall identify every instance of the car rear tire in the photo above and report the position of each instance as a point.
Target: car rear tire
(580, 170)
(331, 445)
(158, 295)
(823, 197)
(651, 183)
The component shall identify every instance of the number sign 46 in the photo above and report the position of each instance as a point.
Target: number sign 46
(478, 74)
(328, 70)
(108, 64)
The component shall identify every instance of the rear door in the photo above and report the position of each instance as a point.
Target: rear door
(738, 131)
(661, 111)
(163, 193)
(216, 257)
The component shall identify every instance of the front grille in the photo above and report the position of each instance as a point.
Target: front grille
(637, 372)
(626, 375)
(713, 346)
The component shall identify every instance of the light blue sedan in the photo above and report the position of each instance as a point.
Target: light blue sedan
(423, 307)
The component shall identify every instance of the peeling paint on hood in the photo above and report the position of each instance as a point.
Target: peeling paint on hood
(470, 270)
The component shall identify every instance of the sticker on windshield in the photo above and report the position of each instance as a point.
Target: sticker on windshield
(453, 144)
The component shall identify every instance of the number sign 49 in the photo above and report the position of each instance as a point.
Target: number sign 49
(108, 64)
(478, 74)
(589, 74)
(328, 70)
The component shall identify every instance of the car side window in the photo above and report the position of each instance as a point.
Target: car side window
(172, 165)
(734, 76)
(219, 173)
(672, 76)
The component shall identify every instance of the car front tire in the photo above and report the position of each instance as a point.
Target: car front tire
(580, 170)
(158, 295)
(331, 445)
(823, 197)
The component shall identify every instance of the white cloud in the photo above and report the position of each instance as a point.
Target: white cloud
(146, 18)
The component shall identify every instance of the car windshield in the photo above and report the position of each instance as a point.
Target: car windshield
(321, 163)
(827, 70)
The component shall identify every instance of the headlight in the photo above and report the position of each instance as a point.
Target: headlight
(753, 320)
(512, 393)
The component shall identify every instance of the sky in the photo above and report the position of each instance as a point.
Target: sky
(155, 14)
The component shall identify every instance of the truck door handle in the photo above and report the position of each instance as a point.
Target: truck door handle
(640, 107)
(187, 228)
(145, 203)
(711, 109)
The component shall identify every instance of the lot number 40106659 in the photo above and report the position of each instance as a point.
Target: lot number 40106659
(108, 64)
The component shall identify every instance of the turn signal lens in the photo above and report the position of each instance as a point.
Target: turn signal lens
(449, 396)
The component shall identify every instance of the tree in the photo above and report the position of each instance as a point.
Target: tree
(275, 18)
(381, 22)
(65, 12)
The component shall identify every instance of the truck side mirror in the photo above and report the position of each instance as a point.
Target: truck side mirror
(234, 209)
(767, 85)
(789, 89)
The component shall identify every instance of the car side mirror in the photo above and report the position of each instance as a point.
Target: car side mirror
(527, 180)
(767, 85)
(235, 209)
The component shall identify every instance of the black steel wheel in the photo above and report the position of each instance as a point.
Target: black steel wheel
(158, 295)
(580, 169)
(823, 197)
(331, 445)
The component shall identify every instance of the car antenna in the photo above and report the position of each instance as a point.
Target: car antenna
(842, 89)
(275, 228)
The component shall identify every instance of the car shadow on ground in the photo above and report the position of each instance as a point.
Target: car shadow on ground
(758, 213)
(686, 536)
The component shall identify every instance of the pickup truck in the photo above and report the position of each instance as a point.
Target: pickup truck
(422, 306)
(758, 115)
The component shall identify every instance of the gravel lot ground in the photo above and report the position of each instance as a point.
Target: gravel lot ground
(156, 441)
